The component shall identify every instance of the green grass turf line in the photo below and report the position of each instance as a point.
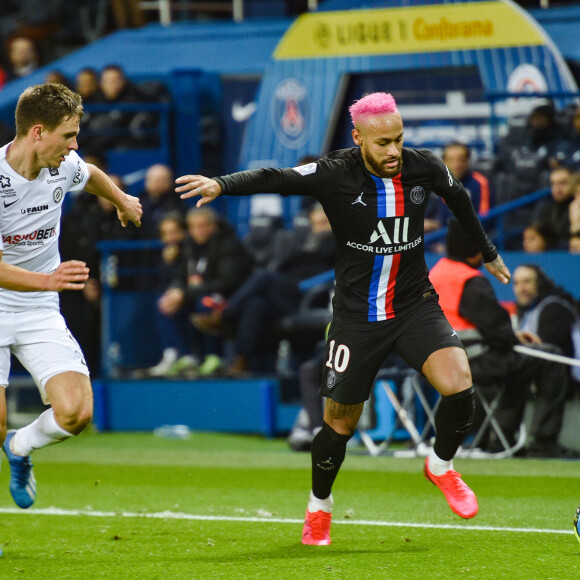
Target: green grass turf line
(234, 476)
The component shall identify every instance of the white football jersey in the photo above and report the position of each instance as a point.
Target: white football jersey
(30, 223)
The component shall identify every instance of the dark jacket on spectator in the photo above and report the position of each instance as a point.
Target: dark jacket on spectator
(223, 263)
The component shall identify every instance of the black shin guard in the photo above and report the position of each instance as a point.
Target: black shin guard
(452, 422)
(328, 451)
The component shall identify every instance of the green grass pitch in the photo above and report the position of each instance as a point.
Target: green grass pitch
(222, 506)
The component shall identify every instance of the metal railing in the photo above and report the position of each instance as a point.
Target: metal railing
(166, 8)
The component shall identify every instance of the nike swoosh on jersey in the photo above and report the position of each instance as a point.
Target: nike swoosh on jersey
(11, 203)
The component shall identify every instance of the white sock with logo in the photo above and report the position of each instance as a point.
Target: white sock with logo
(316, 505)
(40, 433)
(438, 466)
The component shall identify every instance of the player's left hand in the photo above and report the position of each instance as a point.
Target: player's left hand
(498, 269)
(192, 185)
(131, 211)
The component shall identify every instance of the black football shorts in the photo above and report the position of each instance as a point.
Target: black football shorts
(355, 350)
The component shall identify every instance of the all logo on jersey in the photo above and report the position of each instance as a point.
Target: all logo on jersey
(6, 205)
(417, 195)
(390, 236)
(4, 181)
(399, 232)
(53, 171)
(57, 194)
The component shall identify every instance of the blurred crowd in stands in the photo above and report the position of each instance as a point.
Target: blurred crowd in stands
(233, 306)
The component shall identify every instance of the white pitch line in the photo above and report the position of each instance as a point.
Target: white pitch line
(169, 515)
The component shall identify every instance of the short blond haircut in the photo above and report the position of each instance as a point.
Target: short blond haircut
(48, 104)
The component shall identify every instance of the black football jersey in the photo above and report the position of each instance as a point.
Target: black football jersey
(377, 222)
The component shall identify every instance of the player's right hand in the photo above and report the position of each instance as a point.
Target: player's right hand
(68, 276)
(131, 211)
(192, 185)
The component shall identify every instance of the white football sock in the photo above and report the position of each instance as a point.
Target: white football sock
(40, 433)
(316, 505)
(438, 466)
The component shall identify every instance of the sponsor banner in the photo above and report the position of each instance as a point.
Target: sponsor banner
(443, 27)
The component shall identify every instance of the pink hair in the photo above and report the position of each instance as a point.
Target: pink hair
(373, 104)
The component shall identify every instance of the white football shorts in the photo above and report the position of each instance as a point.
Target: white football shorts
(41, 341)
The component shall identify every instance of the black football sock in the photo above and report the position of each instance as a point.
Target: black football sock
(328, 451)
(452, 422)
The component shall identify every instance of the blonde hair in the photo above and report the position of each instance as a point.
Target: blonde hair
(48, 104)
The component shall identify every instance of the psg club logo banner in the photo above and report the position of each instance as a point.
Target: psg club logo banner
(290, 113)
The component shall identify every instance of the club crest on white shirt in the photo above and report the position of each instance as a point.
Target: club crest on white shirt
(57, 194)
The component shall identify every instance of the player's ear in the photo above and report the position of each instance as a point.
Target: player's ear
(356, 137)
(36, 131)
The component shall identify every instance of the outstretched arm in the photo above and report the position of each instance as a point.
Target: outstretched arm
(68, 276)
(193, 185)
(128, 207)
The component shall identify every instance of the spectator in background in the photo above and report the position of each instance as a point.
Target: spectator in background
(484, 326)
(117, 128)
(172, 232)
(574, 207)
(539, 237)
(56, 76)
(23, 57)
(524, 159)
(457, 157)
(87, 85)
(545, 309)
(214, 263)
(567, 152)
(553, 210)
(38, 19)
(269, 294)
(158, 198)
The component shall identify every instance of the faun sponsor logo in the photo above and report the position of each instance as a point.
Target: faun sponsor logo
(36, 209)
(35, 237)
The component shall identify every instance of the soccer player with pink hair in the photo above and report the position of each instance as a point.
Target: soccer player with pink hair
(374, 195)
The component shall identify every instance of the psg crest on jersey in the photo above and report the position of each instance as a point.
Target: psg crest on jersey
(290, 113)
(417, 195)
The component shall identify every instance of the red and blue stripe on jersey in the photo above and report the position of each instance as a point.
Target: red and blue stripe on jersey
(390, 203)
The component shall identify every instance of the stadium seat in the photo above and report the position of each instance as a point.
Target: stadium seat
(415, 409)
